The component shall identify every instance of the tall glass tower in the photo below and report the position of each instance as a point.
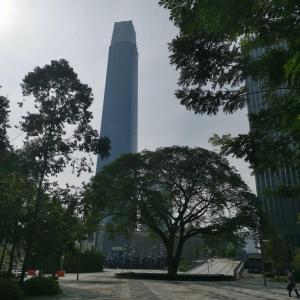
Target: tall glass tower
(120, 107)
(282, 212)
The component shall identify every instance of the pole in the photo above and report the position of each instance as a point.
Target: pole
(262, 251)
(78, 262)
(3, 253)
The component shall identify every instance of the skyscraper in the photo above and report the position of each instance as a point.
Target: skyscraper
(120, 106)
(282, 211)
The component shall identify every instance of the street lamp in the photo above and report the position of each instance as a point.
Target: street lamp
(262, 249)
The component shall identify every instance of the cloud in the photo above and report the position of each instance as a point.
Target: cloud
(80, 31)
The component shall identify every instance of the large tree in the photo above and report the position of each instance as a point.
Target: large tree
(17, 190)
(276, 251)
(4, 124)
(177, 192)
(213, 54)
(58, 129)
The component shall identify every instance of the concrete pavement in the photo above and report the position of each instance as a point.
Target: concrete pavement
(104, 286)
(215, 266)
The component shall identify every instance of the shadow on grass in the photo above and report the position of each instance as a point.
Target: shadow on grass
(178, 277)
(82, 281)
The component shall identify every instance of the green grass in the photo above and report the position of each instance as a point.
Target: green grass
(280, 279)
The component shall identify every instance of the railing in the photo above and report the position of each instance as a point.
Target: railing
(238, 270)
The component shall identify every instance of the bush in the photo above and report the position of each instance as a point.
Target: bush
(296, 274)
(178, 277)
(268, 274)
(41, 286)
(10, 290)
(282, 279)
(7, 275)
(185, 265)
(90, 261)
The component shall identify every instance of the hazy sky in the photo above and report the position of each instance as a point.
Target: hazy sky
(33, 32)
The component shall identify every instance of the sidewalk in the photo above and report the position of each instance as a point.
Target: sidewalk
(104, 286)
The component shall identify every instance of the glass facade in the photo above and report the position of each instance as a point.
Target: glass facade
(120, 106)
(282, 211)
(120, 109)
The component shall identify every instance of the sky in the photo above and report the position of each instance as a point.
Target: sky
(34, 32)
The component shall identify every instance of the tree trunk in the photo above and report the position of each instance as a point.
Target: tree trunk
(78, 261)
(3, 254)
(12, 255)
(32, 228)
(262, 250)
(173, 263)
(39, 196)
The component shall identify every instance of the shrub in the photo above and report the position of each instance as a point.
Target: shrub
(10, 290)
(41, 286)
(296, 274)
(7, 275)
(268, 274)
(90, 261)
(178, 277)
(185, 265)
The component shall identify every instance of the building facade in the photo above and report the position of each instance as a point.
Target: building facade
(120, 106)
(282, 212)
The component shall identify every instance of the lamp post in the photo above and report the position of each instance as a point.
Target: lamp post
(262, 248)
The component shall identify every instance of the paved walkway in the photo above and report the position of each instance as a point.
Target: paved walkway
(104, 286)
(215, 266)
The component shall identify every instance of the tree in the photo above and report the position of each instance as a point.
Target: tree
(276, 251)
(225, 245)
(212, 53)
(59, 128)
(55, 235)
(296, 261)
(4, 115)
(17, 190)
(177, 192)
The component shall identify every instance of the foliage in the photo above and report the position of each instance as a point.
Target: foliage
(41, 286)
(297, 275)
(296, 260)
(185, 265)
(177, 192)
(17, 191)
(282, 279)
(268, 275)
(177, 277)
(214, 54)
(90, 261)
(7, 275)
(57, 231)
(276, 251)
(4, 115)
(61, 100)
(62, 225)
(59, 128)
(208, 53)
(10, 289)
(225, 245)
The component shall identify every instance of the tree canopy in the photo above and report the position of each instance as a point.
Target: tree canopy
(177, 192)
(4, 124)
(58, 129)
(214, 54)
(37, 217)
